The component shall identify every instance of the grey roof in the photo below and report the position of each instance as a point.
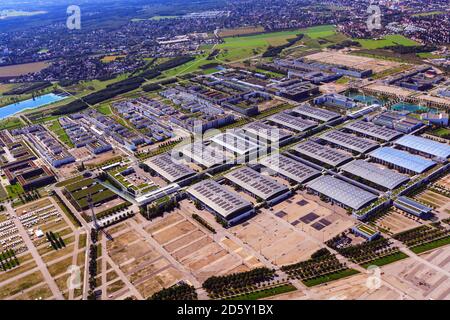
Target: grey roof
(322, 153)
(266, 131)
(205, 155)
(424, 145)
(342, 191)
(349, 141)
(169, 168)
(219, 198)
(402, 159)
(290, 168)
(291, 122)
(256, 183)
(316, 113)
(235, 143)
(370, 172)
(372, 130)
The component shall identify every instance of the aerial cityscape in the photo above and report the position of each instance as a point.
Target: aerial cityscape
(224, 150)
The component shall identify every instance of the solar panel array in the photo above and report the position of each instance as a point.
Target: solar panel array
(294, 123)
(168, 168)
(342, 192)
(218, 198)
(372, 130)
(266, 131)
(349, 141)
(256, 183)
(235, 143)
(316, 113)
(322, 153)
(368, 171)
(402, 159)
(204, 155)
(290, 168)
(424, 145)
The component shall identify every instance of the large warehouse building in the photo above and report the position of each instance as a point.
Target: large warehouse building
(235, 144)
(371, 173)
(325, 155)
(170, 170)
(373, 131)
(290, 122)
(265, 132)
(341, 192)
(290, 169)
(221, 202)
(205, 156)
(316, 114)
(349, 141)
(258, 185)
(424, 146)
(401, 160)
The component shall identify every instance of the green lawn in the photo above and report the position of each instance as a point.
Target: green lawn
(431, 13)
(441, 132)
(386, 260)
(237, 48)
(56, 128)
(389, 40)
(431, 245)
(330, 277)
(429, 55)
(265, 293)
(14, 190)
(104, 109)
(10, 123)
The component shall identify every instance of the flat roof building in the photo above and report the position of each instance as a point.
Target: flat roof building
(401, 160)
(235, 143)
(385, 178)
(341, 192)
(266, 132)
(170, 170)
(371, 130)
(222, 202)
(206, 156)
(424, 146)
(295, 123)
(323, 154)
(289, 168)
(259, 185)
(413, 207)
(349, 141)
(316, 114)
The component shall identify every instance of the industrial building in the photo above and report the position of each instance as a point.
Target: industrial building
(316, 114)
(374, 131)
(235, 144)
(28, 174)
(288, 121)
(259, 185)
(413, 207)
(170, 170)
(348, 141)
(325, 155)
(221, 202)
(341, 192)
(397, 121)
(265, 132)
(289, 168)
(401, 160)
(205, 156)
(366, 231)
(296, 89)
(373, 174)
(424, 146)
(336, 100)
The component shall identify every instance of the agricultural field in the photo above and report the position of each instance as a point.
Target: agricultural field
(387, 41)
(21, 69)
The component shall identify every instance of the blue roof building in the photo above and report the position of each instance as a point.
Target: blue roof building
(401, 160)
(424, 146)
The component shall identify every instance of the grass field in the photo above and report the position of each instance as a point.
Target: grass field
(265, 293)
(238, 48)
(104, 109)
(429, 55)
(14, 190)
(390, 40)
(330, 277)
(431, 13)
(386, 260)
(441, 132)
(10, 123)
(431, 245)
(56, 128)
